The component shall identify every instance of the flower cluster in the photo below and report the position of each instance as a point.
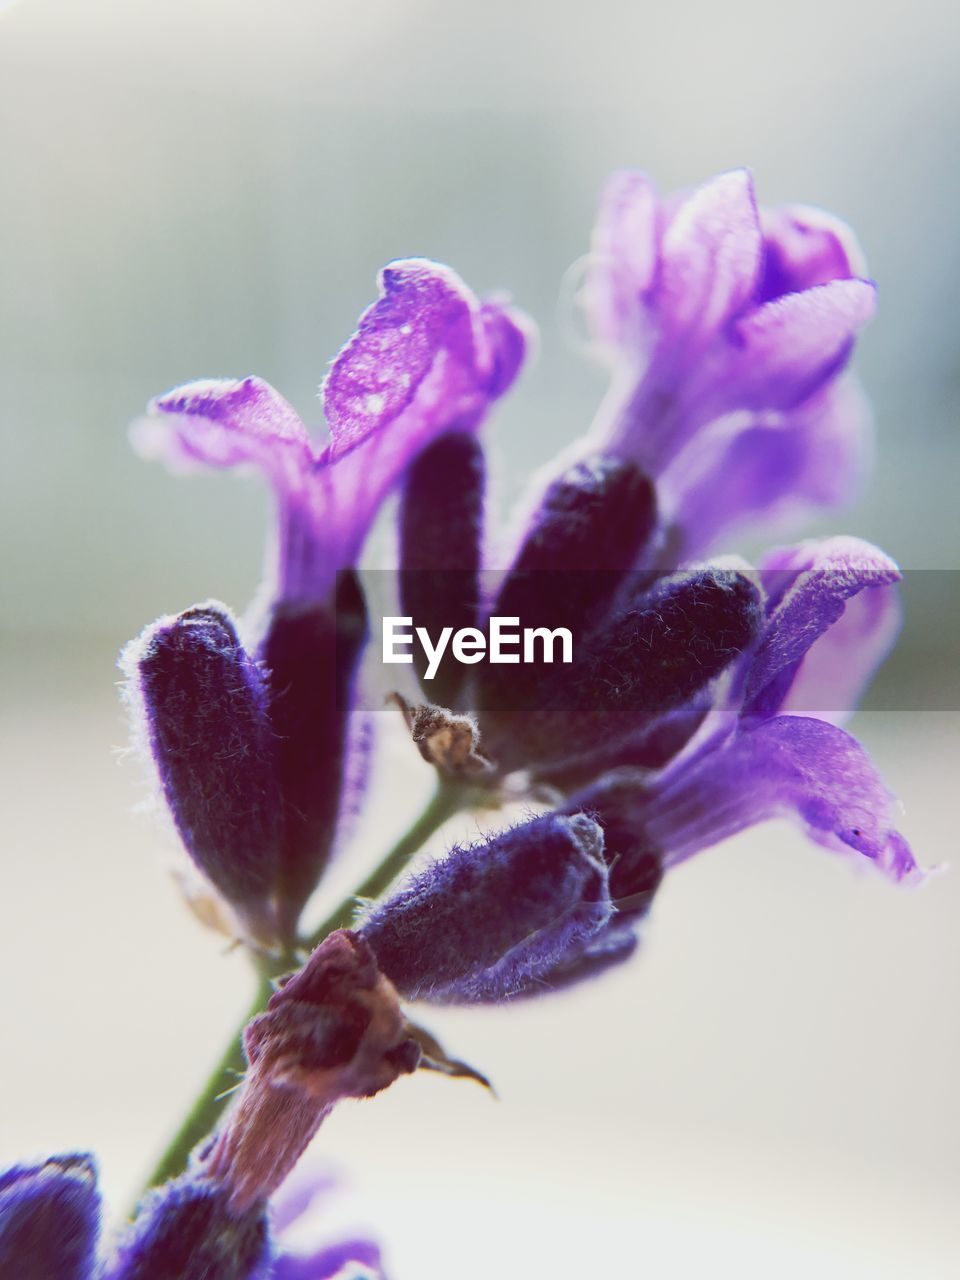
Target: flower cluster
(702, 697)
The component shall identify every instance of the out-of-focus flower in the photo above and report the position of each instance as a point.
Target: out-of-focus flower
(187, 1229)
(49, 1219)
(728, 329)
(253, 744)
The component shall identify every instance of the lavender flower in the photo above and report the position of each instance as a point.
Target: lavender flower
(252, 751)
(702, 698)
(427, 358)
(186, 1230)
(49, 1219)
(728, 330)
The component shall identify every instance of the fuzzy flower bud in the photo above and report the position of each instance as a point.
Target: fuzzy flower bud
(49, 1219)
(497, 918)
(202, 701)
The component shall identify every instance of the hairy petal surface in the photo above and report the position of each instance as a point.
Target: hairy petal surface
(803, 247)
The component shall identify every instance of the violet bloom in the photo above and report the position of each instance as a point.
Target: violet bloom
(650, 647)
(428, 359)
(50, 1219)
(50, 1229)
(728, 330)
(772, 748)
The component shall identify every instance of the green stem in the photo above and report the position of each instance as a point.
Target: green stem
(447, 800)
(209, 1103)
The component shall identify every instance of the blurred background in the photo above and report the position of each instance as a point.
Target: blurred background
(209, 188)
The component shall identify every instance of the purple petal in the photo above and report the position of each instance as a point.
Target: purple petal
(838, 667)
(771, 467)
(806, 247)
(809, 588)
(224, 423)
(349, 1260)
(709, 259)
(49, 1219)
(425, 355)
(786, 349)
(791, 766)
(623, 261)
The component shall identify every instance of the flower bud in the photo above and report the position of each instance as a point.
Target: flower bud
(203, 702)
(659, 649)
(49, 1219)
(188, 1229)
(494, 919)
(311, 656)
(588, 531)
(441, 528)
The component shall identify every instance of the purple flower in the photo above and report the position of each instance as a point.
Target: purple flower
(186, 1229)
(204, 704)
(428, 357)
(728, 330)
(313, 1246)
(829, 617)
(253, 744)
(646, 644)
(49, 1219)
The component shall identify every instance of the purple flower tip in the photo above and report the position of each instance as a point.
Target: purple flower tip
(725, 323)
(426, 342)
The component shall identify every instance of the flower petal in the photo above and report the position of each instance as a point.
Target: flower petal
(806, 247)
(809, 587)
(219, 422)
(709, 260)
(831, 678)
(425, 355)
(347, 1260)
(623, 261)
(778, 468)
(786, 349)
(791, 766)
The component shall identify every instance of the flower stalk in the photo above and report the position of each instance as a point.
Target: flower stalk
(448, 799)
